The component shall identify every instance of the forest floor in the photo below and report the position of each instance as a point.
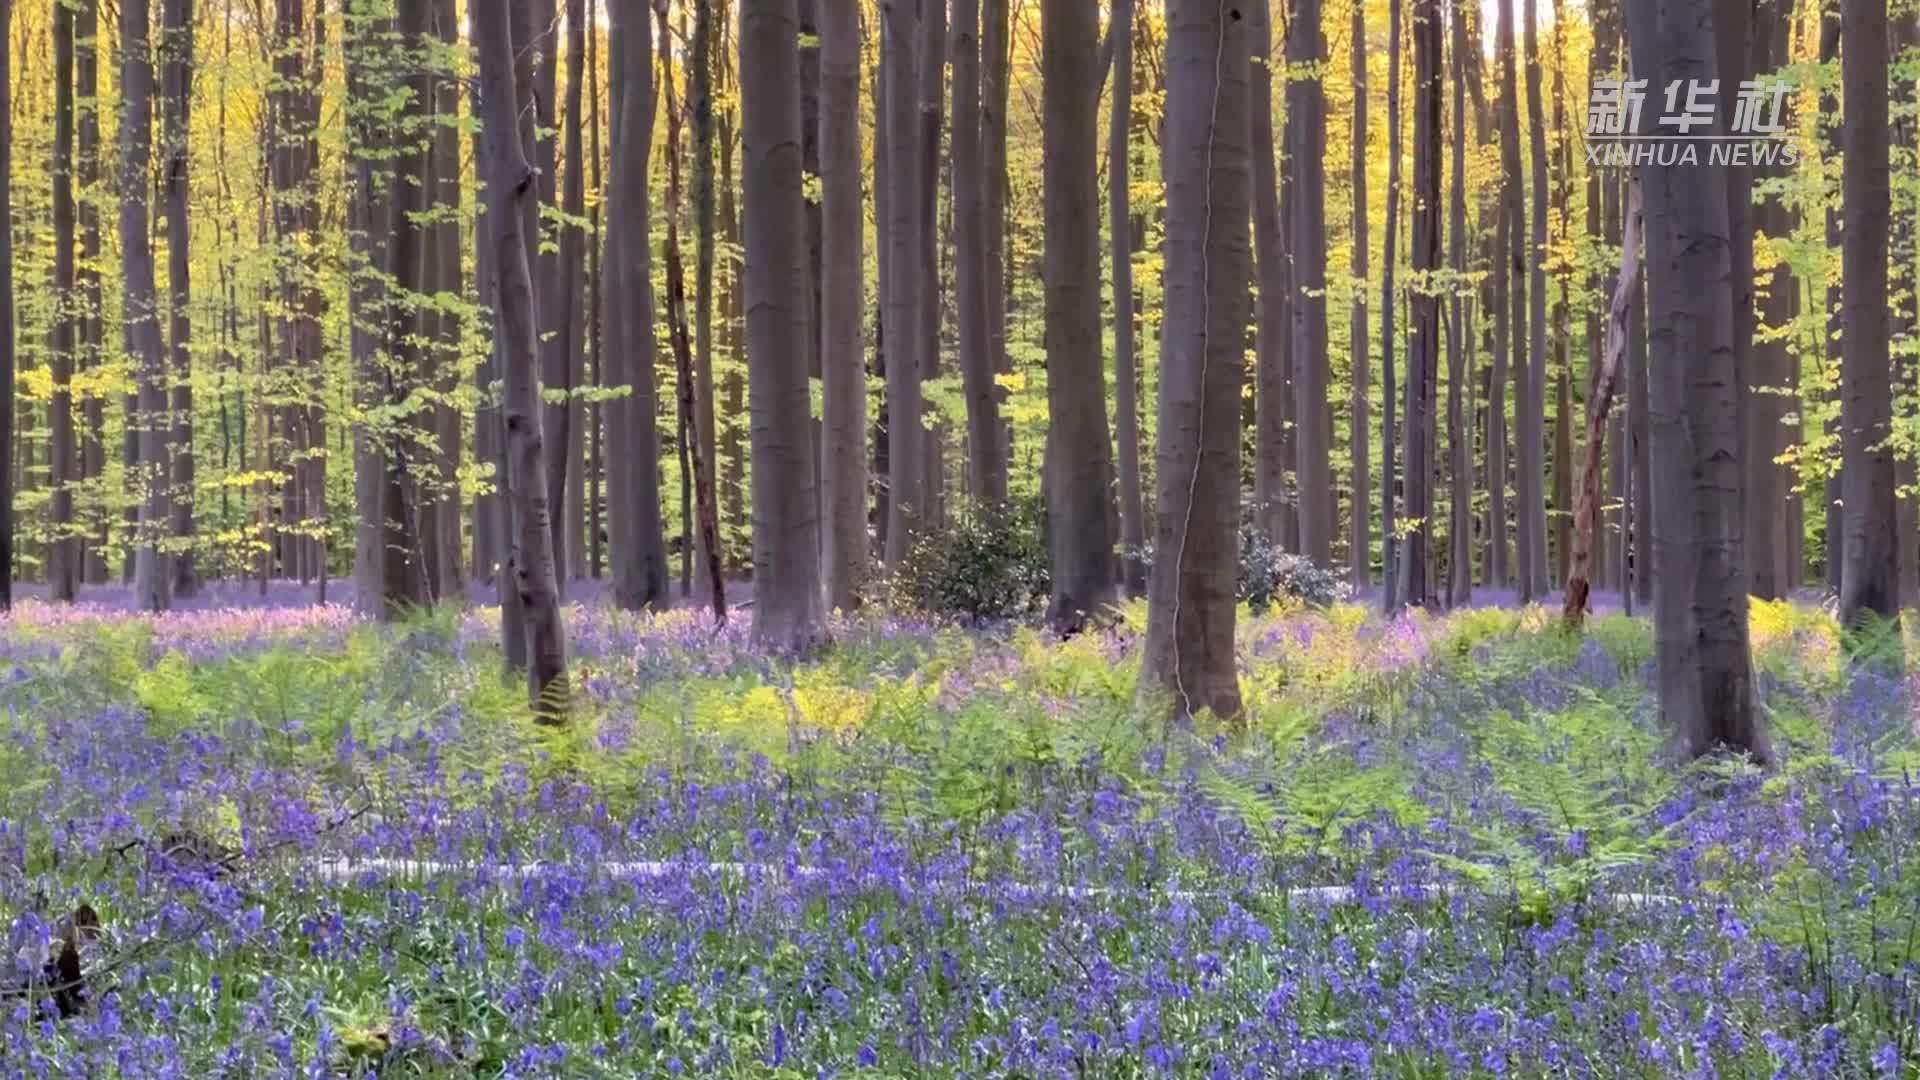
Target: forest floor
(1440, 845)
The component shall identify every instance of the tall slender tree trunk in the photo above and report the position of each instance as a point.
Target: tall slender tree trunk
(1077, 443)
(696, 487)
(637, 546)
(1835, 483)
(63, 571)
(1705, 676)
(569, 437)
(1389, 299)
(152, 570)
(1530, 403)
(6, 306)
(1273, 384)
(986, 451)
(176, 120)
(1306, 97)
(905, 438)
(510, 183)
(1869, 576)
(1423, 341)
(1359, 535)
(1192, 597)
(933, 68)
(995, 84)
(1459, 337)
(843, 469)
(446, 567)
(91, 318)
(1769, 430)
(1126, 378)
(1563, 509)
(369, 231)
(701, 100)
(1586, 534)
(1512, 271)
(786, 552)
(1640, 454)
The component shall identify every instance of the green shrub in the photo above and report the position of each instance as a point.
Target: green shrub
(986, 563)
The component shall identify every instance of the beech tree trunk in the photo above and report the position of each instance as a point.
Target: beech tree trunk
(1586, 533)
(786, 551)
(92, 317)
(1192, 597)
(902, 286)
(510, 183)
(1077, 443)
(1359, 534)
(1705, 677)
(6, 306)
(1423, 342)
(1770, 532)
(1306, 97)
(1459, 339)
(1510, 352)
(569, 435)
(1126, 378)
(153, 575)
(637, 547)
(1272, 382)
(843, 472)
(986, 451)
(1869, 576)
(701, 61)
(63, 571)
(369, 232)
(1389, 427)
(995, 82)
(1530, 402)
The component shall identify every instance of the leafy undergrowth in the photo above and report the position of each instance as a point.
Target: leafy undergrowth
(1440, 846)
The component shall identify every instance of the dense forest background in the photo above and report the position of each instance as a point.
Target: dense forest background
(255, 336)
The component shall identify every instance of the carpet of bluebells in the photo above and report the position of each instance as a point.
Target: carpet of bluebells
(1438, 846)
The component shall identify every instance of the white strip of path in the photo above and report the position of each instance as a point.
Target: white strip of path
(352, 870)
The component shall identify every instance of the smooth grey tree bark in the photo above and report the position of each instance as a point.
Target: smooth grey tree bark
(62, 568)
(902, 287)
(1705, 679)
(933, 101)
(1510, 352)
(510, 183)
(786, 551)
(176, 121)
(1079, 474)
(6, 306)
(1306, 98)
(1423, 337)
(1459, 404)
(995, 82)
(637, 547)
(152, 573)
(369, 231)
(700, 101)
(1869, 575)
(1273, 383)
(1191, 600)
(92, 323)
(1772, 365)
(986, 451)
(1126, 374)
(1389, 299)
(1530, 402)
(567, 425)
(843, 472)
(1359, 520)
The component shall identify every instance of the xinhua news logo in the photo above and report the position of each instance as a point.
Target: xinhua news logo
(1688, 130)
